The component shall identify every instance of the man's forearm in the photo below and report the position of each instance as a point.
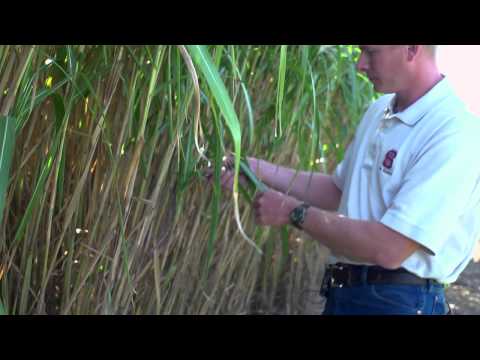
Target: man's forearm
(362, 241)
(315, 188)
(359, 240)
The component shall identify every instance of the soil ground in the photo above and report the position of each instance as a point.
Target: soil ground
(464, 295)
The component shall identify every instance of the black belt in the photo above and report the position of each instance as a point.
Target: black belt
(340, 275)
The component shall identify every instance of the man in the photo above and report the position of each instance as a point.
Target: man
(400, 212)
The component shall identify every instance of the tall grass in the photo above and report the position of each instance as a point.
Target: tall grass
(105, 209)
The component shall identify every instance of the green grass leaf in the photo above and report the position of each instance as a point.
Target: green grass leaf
(252, 177)
(204, 62)
(282, 69)
(7, 145)
(248, 102)
(2, 309)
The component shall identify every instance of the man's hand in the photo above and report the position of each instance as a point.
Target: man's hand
(273, 208)
(226, 178)
(227, 174)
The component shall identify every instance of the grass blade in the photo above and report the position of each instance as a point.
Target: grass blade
(247, 101)
(2, 310)
(7, 145)
(280, 90)
(260, 186)
(210, 72)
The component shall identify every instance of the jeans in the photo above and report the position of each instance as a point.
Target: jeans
(382, 299)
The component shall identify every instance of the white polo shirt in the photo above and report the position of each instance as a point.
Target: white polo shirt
(417, 172)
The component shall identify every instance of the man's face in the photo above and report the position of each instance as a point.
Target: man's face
(384, 65)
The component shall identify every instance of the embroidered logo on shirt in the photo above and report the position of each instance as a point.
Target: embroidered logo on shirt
(388, 161)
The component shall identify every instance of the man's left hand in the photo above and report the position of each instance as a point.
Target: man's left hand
(273, 208)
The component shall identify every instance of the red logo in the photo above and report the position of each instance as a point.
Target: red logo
(388, 161)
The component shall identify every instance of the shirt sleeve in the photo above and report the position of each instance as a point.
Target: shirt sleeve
(436, 190)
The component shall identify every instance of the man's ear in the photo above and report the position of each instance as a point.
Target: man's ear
(412, 51)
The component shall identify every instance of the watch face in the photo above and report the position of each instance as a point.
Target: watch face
(297, 216)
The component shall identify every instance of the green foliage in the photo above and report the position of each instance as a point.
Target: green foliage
(7, 143)
(106, 210)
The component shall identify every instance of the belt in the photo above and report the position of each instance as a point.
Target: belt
(340, 275)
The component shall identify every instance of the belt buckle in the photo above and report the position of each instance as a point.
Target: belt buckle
(328, 281)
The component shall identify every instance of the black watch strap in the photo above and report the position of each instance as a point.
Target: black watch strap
(297, 215)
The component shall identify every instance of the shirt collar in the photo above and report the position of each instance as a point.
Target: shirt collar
(419, 108)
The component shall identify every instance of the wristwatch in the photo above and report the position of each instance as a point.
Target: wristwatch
(297, 215)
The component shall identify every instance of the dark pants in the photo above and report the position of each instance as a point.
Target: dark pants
(366, 298)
